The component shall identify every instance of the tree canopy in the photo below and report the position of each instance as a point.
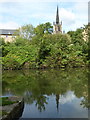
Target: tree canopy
(26, 31)
(39, 48)
(43, 28)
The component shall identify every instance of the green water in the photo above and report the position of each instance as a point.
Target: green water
(52, 93)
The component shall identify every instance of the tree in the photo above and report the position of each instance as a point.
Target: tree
(76, 36)
(26, 31)
(42, 29)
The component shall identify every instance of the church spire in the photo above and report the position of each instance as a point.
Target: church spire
(57, 26)
(57, 16)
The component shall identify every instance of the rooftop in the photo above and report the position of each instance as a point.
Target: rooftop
(7, 31)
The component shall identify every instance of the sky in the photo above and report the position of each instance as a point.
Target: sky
(16, 13)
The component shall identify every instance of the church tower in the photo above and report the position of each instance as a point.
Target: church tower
(57, 26)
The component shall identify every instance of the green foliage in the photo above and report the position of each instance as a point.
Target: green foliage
(26, 31)
(5, 101)
(2, 41)
(41, 49)
(76, 36)
(43, 29)
(3, 51)
(18, 55)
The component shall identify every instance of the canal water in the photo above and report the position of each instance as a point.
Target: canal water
(52, 93)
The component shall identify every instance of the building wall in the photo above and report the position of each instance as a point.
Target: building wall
(8, 38)
(85, 35)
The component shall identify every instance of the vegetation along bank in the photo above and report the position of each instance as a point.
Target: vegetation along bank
(39, 48)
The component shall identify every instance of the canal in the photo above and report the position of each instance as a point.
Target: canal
(52, 93)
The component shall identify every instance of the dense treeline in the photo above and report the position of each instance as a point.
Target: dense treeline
(39, 48)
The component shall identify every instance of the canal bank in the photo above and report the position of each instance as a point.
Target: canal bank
(12, 108)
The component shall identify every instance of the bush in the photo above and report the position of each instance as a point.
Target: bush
(46, 50)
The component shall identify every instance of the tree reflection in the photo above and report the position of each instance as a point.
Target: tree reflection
(35, 85)
(57, 102)
(40, 102)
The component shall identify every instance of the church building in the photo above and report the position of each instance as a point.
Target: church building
(57, 26)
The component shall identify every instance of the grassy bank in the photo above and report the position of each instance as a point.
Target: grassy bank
(6, 101)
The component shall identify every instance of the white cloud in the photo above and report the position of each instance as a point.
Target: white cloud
(9, 25)
(68, 97)
(67, 16)
(27, 12)
(81, 7)
(75, 17)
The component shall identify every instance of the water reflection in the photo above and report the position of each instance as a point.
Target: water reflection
(50, 93)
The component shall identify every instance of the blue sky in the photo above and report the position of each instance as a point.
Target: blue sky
(15, 13)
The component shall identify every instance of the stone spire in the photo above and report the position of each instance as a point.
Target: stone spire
(57, 26)
(57, 16)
